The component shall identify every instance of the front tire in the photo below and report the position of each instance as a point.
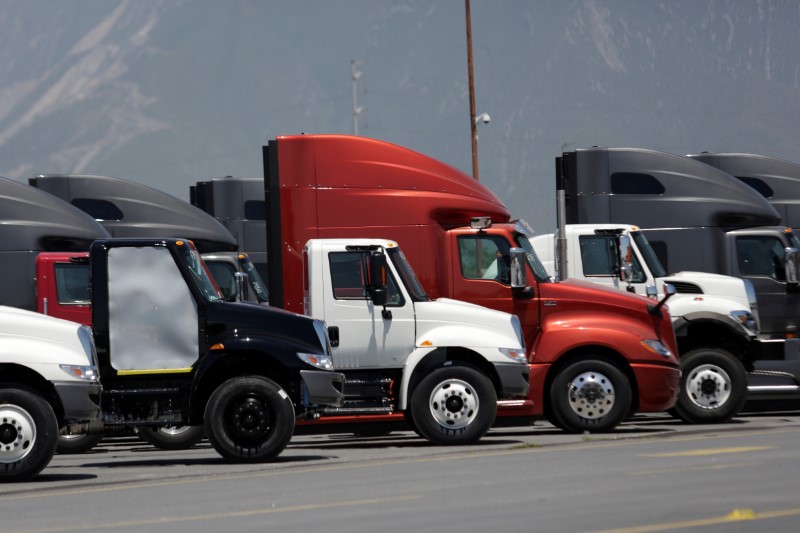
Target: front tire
(454, 405)
(173, 437)
(28, 434)
(713, 387)
(249, 419)
(590, 395)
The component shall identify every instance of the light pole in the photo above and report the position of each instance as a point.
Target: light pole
(473, 121)
(355, 75)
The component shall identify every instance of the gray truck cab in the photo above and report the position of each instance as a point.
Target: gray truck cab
(699, 218)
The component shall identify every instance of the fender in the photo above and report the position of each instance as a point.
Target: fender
(565, 332)
(683, 323)
(473, 338)
(414, 359)
(265, 350)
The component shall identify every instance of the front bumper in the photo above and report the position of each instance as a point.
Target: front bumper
(658, 386)
(513, 379)
(323, 387)
(80, 400)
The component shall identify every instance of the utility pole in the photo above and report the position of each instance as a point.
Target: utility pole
(355, 75)
(472, 121)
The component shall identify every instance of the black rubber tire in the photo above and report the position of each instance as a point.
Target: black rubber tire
(597, 412)
(268, 422)
(21, 409)
(172, 438)
(718, 370)
(77, 444)
(435, 420)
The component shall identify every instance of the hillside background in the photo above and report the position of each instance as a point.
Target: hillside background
(171, 92)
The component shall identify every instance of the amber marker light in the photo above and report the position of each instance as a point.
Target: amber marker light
(218, 346)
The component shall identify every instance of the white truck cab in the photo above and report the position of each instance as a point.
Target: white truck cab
(715, 317)
(443, 362)
(49, 380)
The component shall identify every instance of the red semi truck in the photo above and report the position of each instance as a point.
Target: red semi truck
(596, 355)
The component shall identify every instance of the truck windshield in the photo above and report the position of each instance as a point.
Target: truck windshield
(794, 242)
(407, 276)
(649, 256)
(523, 233)
(191, 258)
(255, 280)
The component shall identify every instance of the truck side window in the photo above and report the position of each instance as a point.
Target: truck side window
(72, 283)
(484, 257)
(760, 256)
(349, 276)
(225, 276)
(599, 257)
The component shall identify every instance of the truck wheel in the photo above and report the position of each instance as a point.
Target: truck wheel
(172, 438)
(77, 444)
(249, 419)
(28, 434)
(713, 387)
(454, 405)
(590, 395)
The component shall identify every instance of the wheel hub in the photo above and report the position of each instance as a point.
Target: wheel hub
(708, 386)
(250, 418)
(454, 403)
(591, 395)
(17, 433)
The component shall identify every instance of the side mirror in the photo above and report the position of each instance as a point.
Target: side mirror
(378, 277)
(625, 258)
(517, 260)
(651, 291)
(790, 259)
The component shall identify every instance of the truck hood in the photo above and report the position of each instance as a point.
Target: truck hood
(708, 284)
(485, 327)
(585, 294)
(699, 292)
(31, 337)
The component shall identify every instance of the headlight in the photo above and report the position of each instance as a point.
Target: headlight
(515, 354)
(746, 319)
(518, 330)
(87, 341)
(657, 347)
(85, 373)
(322, 361)
(322, 333)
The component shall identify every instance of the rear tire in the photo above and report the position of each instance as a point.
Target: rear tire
(249, 419)
(77, 444)
(590, 396)
(713, 387)
(454, 405)
(28, 434)
(173, 437)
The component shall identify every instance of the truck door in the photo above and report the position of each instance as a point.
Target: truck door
(481, 276)
(760, 259)
(599, 263)
(153, 321)
(62, 287)
(368, 336)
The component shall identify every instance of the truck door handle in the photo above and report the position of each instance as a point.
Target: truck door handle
(333, 335)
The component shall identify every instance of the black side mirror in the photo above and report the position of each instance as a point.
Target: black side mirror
(378, 276)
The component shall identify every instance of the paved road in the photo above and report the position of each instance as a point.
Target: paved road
(654, 474)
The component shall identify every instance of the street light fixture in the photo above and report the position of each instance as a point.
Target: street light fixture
(483, 117)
